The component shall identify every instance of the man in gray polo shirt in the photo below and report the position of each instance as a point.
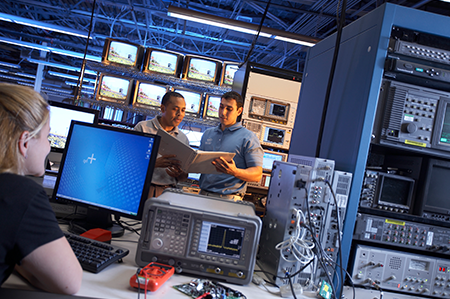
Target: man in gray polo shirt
(167, 169)
(231, 136)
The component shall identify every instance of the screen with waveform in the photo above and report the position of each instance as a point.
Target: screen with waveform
(221, 239)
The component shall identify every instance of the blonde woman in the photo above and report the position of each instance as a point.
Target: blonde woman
(30, 238)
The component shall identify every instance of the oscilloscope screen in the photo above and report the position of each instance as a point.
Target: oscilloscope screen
(221, 239)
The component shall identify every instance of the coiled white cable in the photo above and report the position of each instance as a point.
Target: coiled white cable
(296, 244)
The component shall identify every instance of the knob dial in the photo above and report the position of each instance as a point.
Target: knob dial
(411, 128)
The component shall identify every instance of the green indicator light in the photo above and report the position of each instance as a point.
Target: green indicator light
(419, 70)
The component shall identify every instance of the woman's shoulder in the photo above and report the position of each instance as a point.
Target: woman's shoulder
(18, 183)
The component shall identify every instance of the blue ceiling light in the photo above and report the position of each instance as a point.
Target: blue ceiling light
(48, 49)
(42, 25)
(240, 26)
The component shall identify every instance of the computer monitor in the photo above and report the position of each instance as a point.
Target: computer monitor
(193, 101)
(148, 95)
(211, 110)
(108, 170)
(122, 53)
(115, 88)
(270, 157)
(199, 68)
(163, 62)
(61, 114)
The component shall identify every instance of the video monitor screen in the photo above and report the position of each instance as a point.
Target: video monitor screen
(269, 158)
(212, 107)
(162, 62)
(228, 77)
(122, 53)
(278, 110)
(114, 87)
(193, 100)
(150, 94)
(274, 135)
(202, 69)
(220, 239)
(438, 188)
(395, 191)
(60, 117)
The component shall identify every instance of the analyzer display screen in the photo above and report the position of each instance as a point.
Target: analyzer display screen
(274, 135)
(221, 239)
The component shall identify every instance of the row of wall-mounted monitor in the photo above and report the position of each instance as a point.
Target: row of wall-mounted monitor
(148, 95)
(62, 114)
(156, 61)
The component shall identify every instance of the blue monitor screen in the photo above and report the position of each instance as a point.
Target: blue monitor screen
(107, 167)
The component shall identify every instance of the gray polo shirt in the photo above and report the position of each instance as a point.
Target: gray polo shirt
(160, 176)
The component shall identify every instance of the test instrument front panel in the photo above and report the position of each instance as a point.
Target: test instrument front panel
(204, 240)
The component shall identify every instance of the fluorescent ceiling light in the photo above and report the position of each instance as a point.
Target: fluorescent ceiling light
(295, 41)
(61, 66)
(16, 66)
(48, 49)
(220, 22)
(72, 77)
(25, 75)
(195, 16)
(42, 25)
(16, 78)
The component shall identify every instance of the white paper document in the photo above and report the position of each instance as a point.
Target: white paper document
(192, 160)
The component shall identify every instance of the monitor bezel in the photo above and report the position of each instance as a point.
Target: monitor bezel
(178, 68)
(136, 91)
(200, 104)
(206, 105)
(425, 187)
(126, 101)
(187, 61)
(380, 184)
(147, 183)
(265, 130)
(75, 108)
(224, 69)
(107, 47)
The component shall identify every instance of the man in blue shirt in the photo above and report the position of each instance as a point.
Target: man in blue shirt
(231, 136)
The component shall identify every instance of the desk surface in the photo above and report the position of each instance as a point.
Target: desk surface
(113, 282)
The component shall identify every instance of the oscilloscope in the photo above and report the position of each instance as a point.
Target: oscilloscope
(200, 235)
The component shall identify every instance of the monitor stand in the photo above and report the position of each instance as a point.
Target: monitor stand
(96, 219)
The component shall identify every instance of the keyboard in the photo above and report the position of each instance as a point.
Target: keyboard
(94, 256)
